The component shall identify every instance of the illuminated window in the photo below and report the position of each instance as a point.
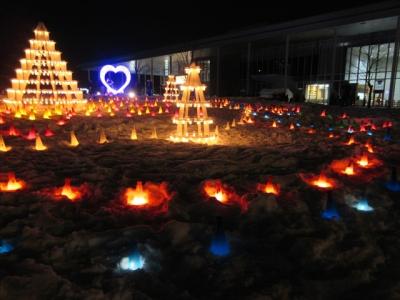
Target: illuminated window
(166, 67)
(317, 93)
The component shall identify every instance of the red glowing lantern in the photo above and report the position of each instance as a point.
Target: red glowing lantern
(323, 114)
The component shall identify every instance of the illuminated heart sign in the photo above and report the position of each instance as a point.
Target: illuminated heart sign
(109, 68)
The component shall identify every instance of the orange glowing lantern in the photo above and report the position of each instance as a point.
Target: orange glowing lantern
(369, 147)
(363, 161)
(148, 196)
(351, 141)
(12, 185)
(344, 167)
(102, 137)
(320, 181)
(323, 114)
(2, 121)
(68, 191)
(73, 140)
(349, 170)
(269, 188)
(39, 146)
(3, 146)
(291, 127)
(223, 193)
(134, 134)
(331, 135)
(274, 125)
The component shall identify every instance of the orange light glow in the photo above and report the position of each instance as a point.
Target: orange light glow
(291, 126)
(269, 188)
(274, 125)
(320, 181)
(149, 195)
(12, 185)
(363, 161)
(223, 193)
(136, 196)
(72, 193)
(73, 140)
(323, 113)
(369, 147)
(331, 135)
(349, 170)
(351, 141)
(3, 146)
(39, 146)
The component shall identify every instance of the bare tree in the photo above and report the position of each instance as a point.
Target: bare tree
(368, 63)
(183, 60)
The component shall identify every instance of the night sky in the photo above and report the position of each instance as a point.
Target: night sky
(88, 31)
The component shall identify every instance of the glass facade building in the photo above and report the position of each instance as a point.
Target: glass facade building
(348, 57)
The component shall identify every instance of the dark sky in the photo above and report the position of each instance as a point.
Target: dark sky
(87, 30)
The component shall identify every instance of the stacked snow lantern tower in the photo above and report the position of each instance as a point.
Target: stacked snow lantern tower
(43, 79)
(193, 129)
(171, 90)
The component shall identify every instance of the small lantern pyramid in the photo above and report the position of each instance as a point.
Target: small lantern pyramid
(171, 90)
(43, 79)
(193, 87)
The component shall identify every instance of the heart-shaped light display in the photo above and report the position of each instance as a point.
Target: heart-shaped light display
(109, 68)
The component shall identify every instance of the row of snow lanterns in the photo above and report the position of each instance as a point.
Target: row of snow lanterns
(74, 142)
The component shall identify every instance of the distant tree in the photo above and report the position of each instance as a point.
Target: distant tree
(368, 64)
(183, 60)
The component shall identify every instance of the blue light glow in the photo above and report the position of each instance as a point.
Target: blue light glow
(298, 124)
(370, 133)
(254, 113)
(393, 186)
(219, 245)
(5, 247)
(132, 262)
(330, 129)
(362, 205)
(266, 117)
(330, 214)
(109, 68)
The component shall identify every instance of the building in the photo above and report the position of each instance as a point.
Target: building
(345, 57)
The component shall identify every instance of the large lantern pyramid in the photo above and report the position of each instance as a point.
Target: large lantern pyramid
(43, 79)
(193, 97)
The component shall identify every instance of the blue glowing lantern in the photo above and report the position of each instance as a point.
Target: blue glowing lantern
(219, 243)
(132, 262)
(330, 212)
(362, 205)
(5, 247)
(393, 184)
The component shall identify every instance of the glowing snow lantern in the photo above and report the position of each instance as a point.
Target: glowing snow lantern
(2, 121)
(393, 184)
(148, 196)
(219, 243)
(48, 132)
(12, 184)
(102, 137)
(349, 170)
(3, 146)
(323, 113)
(31, 134)
(73, 140)
(269, 188)
(362, 205)
(154, 134)
(132, 262)
(320, 181)
(137, 196)
(363, 161)
(32, 116)
(330, 212)
(12, 131)
(369, 147)
(134, 134)
(274, 125)
(291, 127)
(223, 193)
(68, 191)
(5, 247)
(351, 141)
(39, 146)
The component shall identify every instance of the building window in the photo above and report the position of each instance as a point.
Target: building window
(317, 93)
(205, 70)
(369, 67)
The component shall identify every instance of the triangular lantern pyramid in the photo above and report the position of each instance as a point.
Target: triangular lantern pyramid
(197, 128)
(43, 78)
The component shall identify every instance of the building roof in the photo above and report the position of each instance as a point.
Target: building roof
(358, 20)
